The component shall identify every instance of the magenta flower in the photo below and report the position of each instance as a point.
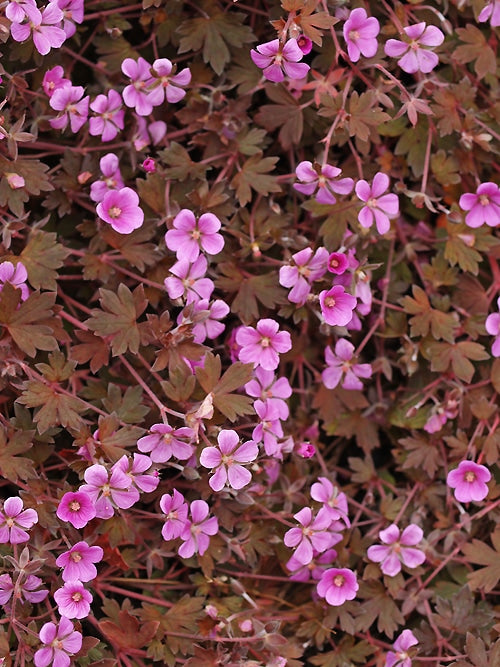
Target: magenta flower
(269, 429)
(397, 549)
(469, 481)
(77, 508)
(337, 263)
(149, 165)
(188, 280)
(492, 326)
(136, 95)
(24, 590)
(196, 534)
(61, 642)
(14, 521)
(334, 501)
(73, 600)
(72, 13)
(110, 169)
(54, 79)
(78, 562)
(168, 86)
(337, 306)
(16, 275)
(304, 44)
(314, 569)
(73, 109)
(491, 12)
(120, 209)
(322, 180)
(44, 28)
(313, 534)
(305, 267)
(226, 459)
(206, 316)
(360, 34)
(341, 364)
(337, 585)
(401, 658)
(110, 116)
(262, 345)
(137, 470)
(414, 55)
(190, 235)
(483, 206)
(17, 10)
(270, 390)
(176, 510)
(379, 207)
(163, 442)
(108, 492)
(276, 60)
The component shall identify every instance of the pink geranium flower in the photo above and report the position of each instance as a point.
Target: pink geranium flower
(196, 534)
(492, 12)
(205, 315)
(17, 10)
(190, 235)
(137, 95)
(313, 534)
(109, 117)
(337, 263)
(400, 657)
(334, 501)
(305, 267)
(73, 600)
(163, 442)
(337, 306)
(379, 207)
(72, 107)
(277, 59)
(397, 548)
(147, 133)
(269, 428)
(110, 169)
(469, 481)
(322, 180)
(24, 587)
(167, 85)
(337, 585)
(108, 491)
(15, 521)
(176, 510)
(138, 470)
(44, 28)
(61, 642)
(72, 13)
(189, 280)
(492, 326)
(341, 364)
(270, 390)
(77, 508)
(483, 206)
(262, 345)
(78, 562)
(360, 34)
(16, 275)
(54, 79)
(120, 209)
(226, 459)
(414, 54)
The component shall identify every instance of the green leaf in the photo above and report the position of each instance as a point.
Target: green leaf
(42, 256)
(478, 552)
(128, 407)
(255, 175)
(445, 168)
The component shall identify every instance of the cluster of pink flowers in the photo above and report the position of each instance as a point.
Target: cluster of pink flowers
(397, 548)
(195, 533)
(49, 28)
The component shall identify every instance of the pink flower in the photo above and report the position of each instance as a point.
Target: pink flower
(14, 521)
(137, 469)
(341, 363)
(54, 79)
(61, 641)
(469, 481)
(401, 658)
(337, 306)
(270, 390)
(314, 569)
(226, 459)
(110, 116)
(72, 13)
(120, 208)
(337, 585)
(43, 27)
(190, 235)
(147, 133)
(483, 206)
(414, 55)
(398, 550)
(322, 179)
(360, 34)
(306, 268)
(195, 536)
(136, 95)
(312, 534)
(77, 508)
(67, 100)
(492, 326)
(269, 429)
(168, 86)
(163, 442)
(17, 10)
(110, 169)
(188, 280)
(262, 345)
(73, 600)
(108, 492)
(149, 165)
(304, 44)
(379, 207)
(15, 275)
(24, 588)
(492, 12)
(334, 501)
(276, 60)
(205, 315)
(306, 450)
(176, 510)
(78, 562)
(337, 263)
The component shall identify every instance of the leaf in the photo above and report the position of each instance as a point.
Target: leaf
(118, 320)
(459, 248)
(354, 424)
(445, 168)
(425, 318)
(182, 166)
(12, 466)
(250, 289)
(478, 552)
(231, 405)
(347, 652)
(255, 175)
(364, 114)
(286, 114)
(42, 256)
(456, 355)
(128, 407)
(313, 23)
(35, 177)
(476, 49)
(421, 454)
(378, 606)
(495, 375)
(129, 633)
(92, 348)
(55, 408)
(412, 144)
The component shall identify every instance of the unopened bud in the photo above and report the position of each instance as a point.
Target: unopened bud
(149, 165)
(83, 177)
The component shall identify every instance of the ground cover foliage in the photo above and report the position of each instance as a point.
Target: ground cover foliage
(249, 333)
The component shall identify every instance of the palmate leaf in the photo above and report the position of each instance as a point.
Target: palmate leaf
(13, 466)
(378, 606)
(222, 388)
(128, 632)
(476, 49)
(255, 174)
(54, 407)
(286, 114)
(478, 552)
(425, 318)
(42, 256)
(456, 355)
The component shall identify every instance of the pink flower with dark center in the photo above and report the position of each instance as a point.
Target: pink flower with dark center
(491, 12)
(414, 55)
(77, 508)
(341, 364)
(360, 34)
(262, 345)
(137, 469)
(43, 27)
(61, 642)
(270, 390)
(72, 13)
(163, 442)
(24, 589)
(15, 521)
(483, 206)
(469, 481)
(16, 275)
(67, 100)
(110, 116)
(136, 95)
(190, 235)
(188, 280)
(226, 459)
(379, 207)
(54, 79)
(269, 429)
(401, 658)
(108, 492)
(397, 548)
(492, 326)
(322, 180)
(73, 600)
(305, 267)
(312, 534)
(196, 535)
(110, 169)
(304, 44)
(120, 209)
(176, 510)
(168, 86)
(334, 501)
(337, 585)
(337, 263)
(337, 306)
(78, 562)
(277, 60)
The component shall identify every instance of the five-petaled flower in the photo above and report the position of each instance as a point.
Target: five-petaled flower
(15, 521)
(109, 491)
(262, 345)
(337, 306)
(77, 508)
(226, 460)
(378, 207)
(337, 585)
(415, 54)
(342, 364)
(164, 441)
(197, 532)
(321, 180)
(120, 208)
(190, 235)
(61, 642)
(277, 59)
(176, 510)
(397, 548)
(483, 206)
(78, 562)
(73, 600)
(469, 481)
(400, 656)
(360, 34)
(305, 267)
(313, 534)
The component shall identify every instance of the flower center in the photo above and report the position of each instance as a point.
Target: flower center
(470, 476)
(57, 644)
(329, 302)
(414, 45)
(9, 522)
(106, 491)
(76, 556)
(195, 234)
(265, 341)
(372, 202)
(339, 580)
(484, 200)
(353, 35)
(77, 596)
(74, 506)
(114, 212)
(167, 438)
